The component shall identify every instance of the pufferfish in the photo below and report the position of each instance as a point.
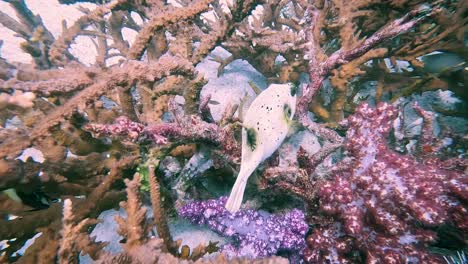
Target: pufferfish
(265, 126)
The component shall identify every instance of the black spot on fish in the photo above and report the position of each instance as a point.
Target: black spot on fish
(251, 138)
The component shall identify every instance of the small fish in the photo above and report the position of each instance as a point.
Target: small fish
(38, 200)
(443, 61)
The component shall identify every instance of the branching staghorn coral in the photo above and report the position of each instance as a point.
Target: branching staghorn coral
(341, 78)
(138, 247)
(31, 28)
(158, 211)
(73, 239)
(134, 229)
(321, 65)
(121, 77)
(99, 199)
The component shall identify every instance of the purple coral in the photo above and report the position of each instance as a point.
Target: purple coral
(384, 202)
(258, 233)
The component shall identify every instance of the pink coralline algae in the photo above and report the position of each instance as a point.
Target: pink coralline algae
(187, 129)
(385, 204)
(122, 127)
(256, 233)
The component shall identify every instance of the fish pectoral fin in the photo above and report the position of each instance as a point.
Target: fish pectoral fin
(251, 138)
(294, 127)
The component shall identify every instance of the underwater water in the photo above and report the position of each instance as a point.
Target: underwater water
(221, 131)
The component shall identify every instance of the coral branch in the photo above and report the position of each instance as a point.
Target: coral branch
(84, 209)
(291, 179)
(52, 82)
(28, 224)
(125, 76)
(23, 100)
(426, 140)
(391, 30)
(189, 129)
(11, 24)
(134, 228)
(73, 238)
(166, 16)
(59, 48)
(319, 69)
(158, 211)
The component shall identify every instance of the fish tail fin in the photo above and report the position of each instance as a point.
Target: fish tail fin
(237, 193)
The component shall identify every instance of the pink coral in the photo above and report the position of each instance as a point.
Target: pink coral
(187, 129)
(385, 202)
(123, 126)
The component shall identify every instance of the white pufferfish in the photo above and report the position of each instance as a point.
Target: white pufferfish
(265, 126)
